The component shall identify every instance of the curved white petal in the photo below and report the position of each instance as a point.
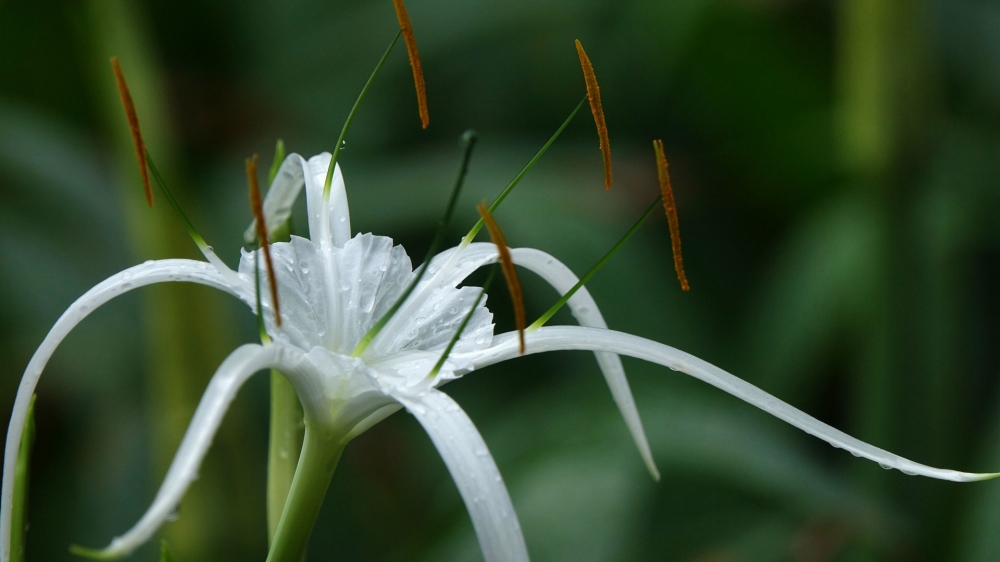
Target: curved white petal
(295, 172)
(592, 339)
(448, 270)
(138, 276)
(585, 310)
(331, 221)
(228, 379)
(474, 471)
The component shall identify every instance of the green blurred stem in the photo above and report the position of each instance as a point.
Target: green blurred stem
(18, 523)
(321, 450)
(285, 442)
(284, 448)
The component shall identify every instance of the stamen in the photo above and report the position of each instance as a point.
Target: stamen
(671, 208)
(510, 187)
(461, 327)
(468, 140)
(133, 125)
(411, 48)
(350, 117)
(509, 271)
(279, 157)
(594, 94)
(258, 211)
(569, 294)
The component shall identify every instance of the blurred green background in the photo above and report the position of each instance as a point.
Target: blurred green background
(835, 166)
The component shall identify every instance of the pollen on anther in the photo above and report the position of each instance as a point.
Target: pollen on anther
(133, 125)
(671, 209)
(258, 212)
(509, 271)
(594, 95)
(411, 49)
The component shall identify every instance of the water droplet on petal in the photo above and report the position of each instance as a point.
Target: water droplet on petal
(452, 310)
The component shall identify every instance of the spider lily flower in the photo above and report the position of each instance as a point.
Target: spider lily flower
(333, 287)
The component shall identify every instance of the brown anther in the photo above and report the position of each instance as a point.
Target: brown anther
(509, 271)
(411, 49)
(133, 125)
(671, 208)
(258, 212)
(594, 95)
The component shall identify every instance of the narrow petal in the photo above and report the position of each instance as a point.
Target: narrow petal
(558, 338)
(474, 471)
(295, 172)
(582, 305)
(222, 389)
(585, 310)
(138, 276)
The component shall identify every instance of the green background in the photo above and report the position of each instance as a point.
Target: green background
(835, 167)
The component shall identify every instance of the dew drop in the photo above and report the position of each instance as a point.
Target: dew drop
(452, 310)
(343, 144)
(304, 266)
(147, 262)
(343, 218)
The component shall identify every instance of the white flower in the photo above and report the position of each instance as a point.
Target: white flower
(332, 289)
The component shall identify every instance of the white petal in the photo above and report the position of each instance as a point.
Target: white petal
(474, 471)
(222, 389)
(370, 274)
(138, 276)
(585, 310)
(295, 172)
(330, 222)
(593, 339)
(302, 292)
(448, 270)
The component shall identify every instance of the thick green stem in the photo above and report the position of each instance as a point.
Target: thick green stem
(321, 450)
(283, 449)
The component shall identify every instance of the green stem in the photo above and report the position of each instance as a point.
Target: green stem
(350, 117)
(510, 187)
(283, 449)
(321, 450)
(18, 520)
